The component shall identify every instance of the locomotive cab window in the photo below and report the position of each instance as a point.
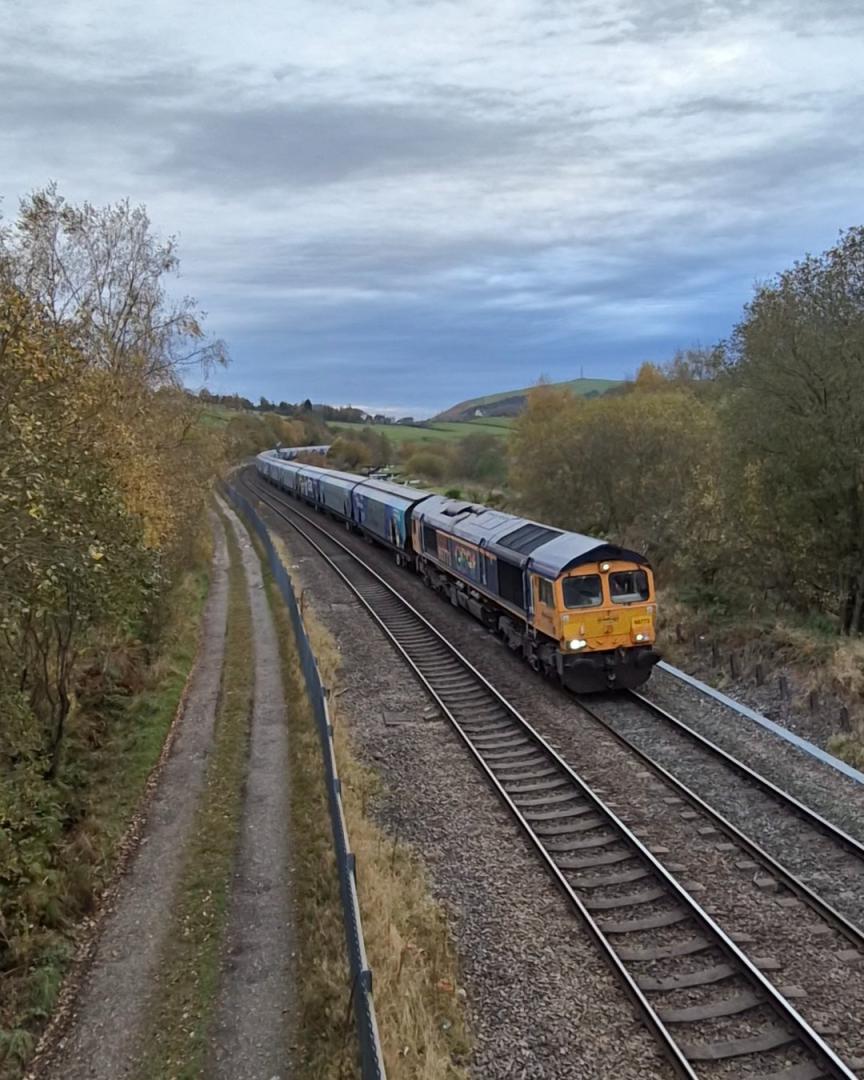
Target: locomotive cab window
(544, 592)
(628, 587)
(583, 591)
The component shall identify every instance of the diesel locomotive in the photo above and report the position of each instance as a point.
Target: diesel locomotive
(579, 609)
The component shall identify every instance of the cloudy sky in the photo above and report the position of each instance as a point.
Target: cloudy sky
(402, 204)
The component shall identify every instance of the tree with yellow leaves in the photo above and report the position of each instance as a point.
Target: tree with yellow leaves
(632, 468)
(104, 470)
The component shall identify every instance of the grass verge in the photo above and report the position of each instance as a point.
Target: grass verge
(185, 993)
(418, 1001)
(813, 658)
(60, 842)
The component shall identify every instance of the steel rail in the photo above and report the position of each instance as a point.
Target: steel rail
(850, 930)
(812, 817)
(824, 1055)
(781, 732)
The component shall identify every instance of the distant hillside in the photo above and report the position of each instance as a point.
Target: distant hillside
(512, 402)
(427, 430)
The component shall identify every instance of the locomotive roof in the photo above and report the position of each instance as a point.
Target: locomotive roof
(519, 540)
(573, 549)
(467, 520)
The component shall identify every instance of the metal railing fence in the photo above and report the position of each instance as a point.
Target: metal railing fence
(369, 1042)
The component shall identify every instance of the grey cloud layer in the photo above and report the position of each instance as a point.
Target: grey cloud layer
(558, 180)
(324, 143)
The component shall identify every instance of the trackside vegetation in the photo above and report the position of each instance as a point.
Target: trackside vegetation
(67, 833)
(104, 473)
(477, 459)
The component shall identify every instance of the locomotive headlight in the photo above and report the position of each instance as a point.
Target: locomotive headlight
(577, 643)
(604, 566)
(641, 637)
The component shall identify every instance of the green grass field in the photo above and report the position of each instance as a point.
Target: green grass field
(216, 416)
(447, 430)
(577, 386)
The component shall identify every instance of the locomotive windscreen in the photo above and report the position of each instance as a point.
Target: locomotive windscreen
(585, 591)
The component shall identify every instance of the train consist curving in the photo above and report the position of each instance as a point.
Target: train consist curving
(573, 606)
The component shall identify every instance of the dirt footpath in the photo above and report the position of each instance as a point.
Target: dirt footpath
(112, 1001)
(250, 1022)
(251, 1038)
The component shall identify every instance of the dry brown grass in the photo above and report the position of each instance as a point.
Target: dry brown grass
(417, 1000)
(813, 659)
(849, 748)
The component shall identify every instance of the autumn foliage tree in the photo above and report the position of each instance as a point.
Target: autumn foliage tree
(99, 443)
(635, 468)
(795, 414)
(740, 468)
(72, 552)
(104, 474)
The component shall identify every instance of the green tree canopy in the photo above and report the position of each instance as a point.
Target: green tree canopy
(796, 420)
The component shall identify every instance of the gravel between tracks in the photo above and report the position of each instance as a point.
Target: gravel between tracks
(542, 1002)
(826, 790)
(112, 1001)
(822, 864)
(807, 956)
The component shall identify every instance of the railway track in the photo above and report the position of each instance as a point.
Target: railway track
(710, 1006)
(842, 844)
(845, 851)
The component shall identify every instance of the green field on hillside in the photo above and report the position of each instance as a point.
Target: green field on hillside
(218, 416)
(215, 416)
(577, 386)
(400, 433)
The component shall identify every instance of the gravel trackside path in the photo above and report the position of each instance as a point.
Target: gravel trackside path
(542, 1003)
(112, 1000)
(252, 1033)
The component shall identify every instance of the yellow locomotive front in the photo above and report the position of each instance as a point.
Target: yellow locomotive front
(603, 618)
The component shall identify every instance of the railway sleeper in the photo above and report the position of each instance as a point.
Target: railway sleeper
(556, 815)
(709, 1010)
(586, 844)
(609, 903)
(769, 1039)
(521, 777)
(524, 753)
(570, 828)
